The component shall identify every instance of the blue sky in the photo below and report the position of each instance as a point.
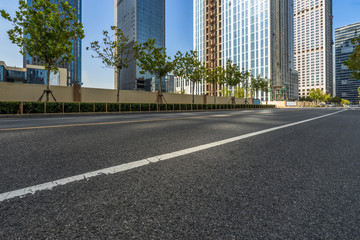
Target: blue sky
(97, 17)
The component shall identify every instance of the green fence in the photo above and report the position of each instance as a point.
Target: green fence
(73, 107)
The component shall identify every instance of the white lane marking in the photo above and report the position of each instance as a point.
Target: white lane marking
(140, 163)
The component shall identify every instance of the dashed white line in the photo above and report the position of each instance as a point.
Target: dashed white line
(141, 163)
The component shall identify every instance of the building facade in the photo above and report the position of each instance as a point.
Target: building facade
(33, 74)
(254, 34)
(313, 45)
(140, 20)
(73, 68)
(346, 87)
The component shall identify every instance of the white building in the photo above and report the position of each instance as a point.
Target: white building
(313, 45)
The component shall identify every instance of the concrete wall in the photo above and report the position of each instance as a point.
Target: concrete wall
(32, 92)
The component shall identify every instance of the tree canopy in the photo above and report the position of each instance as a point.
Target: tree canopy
(154, 60)
(353, 63)
(45, 30)
(115, 51)
(189, 67)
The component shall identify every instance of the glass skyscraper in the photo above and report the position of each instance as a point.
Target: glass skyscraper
(254, 34)
(346, 87)
(140, 20)
(73, 68)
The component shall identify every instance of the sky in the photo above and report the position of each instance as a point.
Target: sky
(98, 17)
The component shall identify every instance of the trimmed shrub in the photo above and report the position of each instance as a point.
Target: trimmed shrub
(183, 107)
(162, 107)
(86, 107)
(135, 107)
(113, 107)
(71, 107)
(33, 107)
(9, 107)
(125, 107)
(153, 107)
(170, 107)
(100, 107)
(144, 107)
(54, 107)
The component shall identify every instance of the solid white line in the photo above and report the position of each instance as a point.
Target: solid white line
(140, 163)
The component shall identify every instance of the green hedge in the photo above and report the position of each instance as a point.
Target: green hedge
(33, 107)
(54, 107)
(9, 107)
(71, 107)
(113, 107)
(86, 107)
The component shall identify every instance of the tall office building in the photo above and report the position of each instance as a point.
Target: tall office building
(73, 68)
(313, 45)
(346, 87)
(254, 34)
(140, 20)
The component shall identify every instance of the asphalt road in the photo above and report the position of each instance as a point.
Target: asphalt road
(294, 181)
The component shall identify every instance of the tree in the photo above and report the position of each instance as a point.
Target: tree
(45, 30)
(326, 97)
(213, 76)
(358, 92)
(233, 76)
(345, 102)
(155, 61)
(189, 67)
(316, 95)
(265, 85)
(353, 63)
(239, 92)
(255, 85)
(336, 100)
(116, 52)
(245, 79)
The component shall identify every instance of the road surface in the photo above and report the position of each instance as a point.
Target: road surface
(253, 174)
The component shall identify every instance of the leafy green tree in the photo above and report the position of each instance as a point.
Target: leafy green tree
(255, 85)
(353, 63)
(45, 30)
(336, 100)
(239, 92)
(226, 92)
(213, 76)
(155, 61)
(265, 84)
(246, 75)
(358, 92)
(315, 94)
(189, 67)
(233, 76)
(326, 97)
(345, 102)
(115, 52)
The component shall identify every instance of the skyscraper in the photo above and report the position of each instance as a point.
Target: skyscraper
(256, 35)
(73, 68)
(313, 45)
(140, 20)
(346, 87)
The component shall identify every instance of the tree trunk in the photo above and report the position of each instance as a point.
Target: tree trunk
(118, 85)
(214, 93)
(193, 93)
(160, 93)
(48, 82)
